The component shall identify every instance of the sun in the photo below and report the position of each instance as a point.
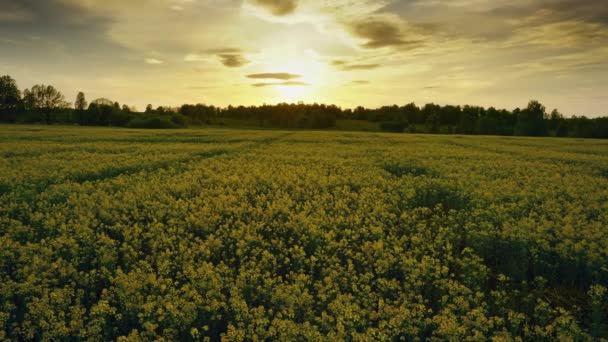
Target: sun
(311, 74)
(292, 93)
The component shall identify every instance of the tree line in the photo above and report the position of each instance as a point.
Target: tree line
(46, 104)
(533, 120)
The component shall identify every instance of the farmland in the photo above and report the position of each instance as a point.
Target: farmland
(201, 234)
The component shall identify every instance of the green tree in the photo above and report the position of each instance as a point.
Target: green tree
(433, 123)
(468, 120)
(557, 124)
(81, 102)
(108, 113)
(80, 105)
(45, 99)
(531, 121)
(10, 99)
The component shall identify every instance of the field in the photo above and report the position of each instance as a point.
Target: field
(298, 235)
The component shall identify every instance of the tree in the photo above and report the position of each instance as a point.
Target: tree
(81, 102)
(468, 120)
(412, 113)
(531, 121)
(10, 99)
(433, 123)
(44, 98)
(80, 105)
(108, 113)
(557, 124)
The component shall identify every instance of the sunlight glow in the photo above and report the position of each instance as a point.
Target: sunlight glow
(312, 75)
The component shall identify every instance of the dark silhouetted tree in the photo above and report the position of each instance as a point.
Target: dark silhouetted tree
(10, 99)
(557, 124)
(531, 121)
(468, 120)
(433, 123)
(80, 105)
(81, 102)
(44, 99)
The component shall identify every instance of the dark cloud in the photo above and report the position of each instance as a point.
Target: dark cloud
(288, 83)
(12, 12)
(226, 50)
(380, 33)
(350, 67)
(500, 21)
(233, 60)
(49, 17)
(345, 66)
(361, 82)
(361, 66)
(59, 30)
(275, 76)
(229, 57)
(563, 23)
(278, 7)
(557, 10)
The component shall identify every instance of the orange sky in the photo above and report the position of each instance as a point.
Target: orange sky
(369, 52)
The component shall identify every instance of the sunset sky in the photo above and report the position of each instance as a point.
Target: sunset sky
(369, 52)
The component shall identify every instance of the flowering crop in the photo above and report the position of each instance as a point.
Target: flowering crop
(269, 235)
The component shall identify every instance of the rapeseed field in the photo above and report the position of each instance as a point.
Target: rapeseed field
(209, 234)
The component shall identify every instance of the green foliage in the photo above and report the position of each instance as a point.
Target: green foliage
(393, 126)
(214, 234)
(44, 100)
(152, 122)
(357, 126)
(10, 99)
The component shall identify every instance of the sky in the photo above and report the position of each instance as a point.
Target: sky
(368, 52)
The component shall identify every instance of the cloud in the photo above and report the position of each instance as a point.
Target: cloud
(361, 82)
(14, 13)
(344, 66)
(56, 29)
(50, 14)
(488, 22)
(220, 51)
(568, 34)
(233, 60)
(278, 7)
(591, 11)
(360, 67)
(287, 83)
(153, 61)
(275, 76)
(199, 87)
(380, 32)
(229, 57)
(194, 57)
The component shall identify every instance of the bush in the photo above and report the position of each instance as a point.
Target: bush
(393, 126)
(179, 120)
(152, 122)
